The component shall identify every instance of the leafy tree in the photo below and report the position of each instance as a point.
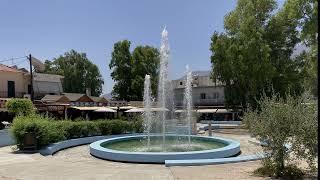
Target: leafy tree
(306, 13)
(79, 73)
(254, 55)
(241, 56)
(121, 66)
(129, 70)
(289, 127)
(282, 36)
(145, 61)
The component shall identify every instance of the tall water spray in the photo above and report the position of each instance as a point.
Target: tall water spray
(147, 107)
(188, 100)
(163, 79)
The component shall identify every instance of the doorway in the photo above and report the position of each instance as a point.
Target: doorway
(11, 89)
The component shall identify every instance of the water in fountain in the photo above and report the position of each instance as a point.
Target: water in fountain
(188, 100)
(165, 122)
(163, 81)
(147, 116)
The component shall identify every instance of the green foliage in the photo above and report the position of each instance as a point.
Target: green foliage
(45, 131)
(121, 66)
(305, 14)
(129, 70)
(49, 131)
(145, 61)
(79, 73)
(289, 172)
(280, 122)
(255, 52)
(20, 106)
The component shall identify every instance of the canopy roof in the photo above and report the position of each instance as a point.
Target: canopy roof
(104, 109)
(55, 98)
(182, 110)
(123, 107)
(213, 111)
(143, 109)
(85, 108)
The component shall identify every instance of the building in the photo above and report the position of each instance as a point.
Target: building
(205, 92)
(15, 83)
(47, 84)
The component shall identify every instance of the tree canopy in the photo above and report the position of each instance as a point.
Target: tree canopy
(78, 71)
(129, 70)
(254, 54)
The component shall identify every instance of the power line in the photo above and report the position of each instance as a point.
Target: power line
(19, 63)
(15, 58)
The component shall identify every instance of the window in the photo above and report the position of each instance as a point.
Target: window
(181, 83)
(203, 96)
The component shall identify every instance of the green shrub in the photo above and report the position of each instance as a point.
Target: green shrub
(138, 126)
(285, 121)
(104, 127)
(118, 127)
(20, 106)
(45, 131)
(49, 131)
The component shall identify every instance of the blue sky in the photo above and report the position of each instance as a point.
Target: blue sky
(47, 29)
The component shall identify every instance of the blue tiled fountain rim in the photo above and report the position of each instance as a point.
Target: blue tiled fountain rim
(232, 148)
(230, 144)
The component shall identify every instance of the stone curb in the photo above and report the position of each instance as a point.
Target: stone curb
(201, 162)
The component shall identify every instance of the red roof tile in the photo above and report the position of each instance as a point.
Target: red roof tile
(7, 68)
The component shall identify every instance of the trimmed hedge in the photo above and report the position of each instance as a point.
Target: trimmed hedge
(49, 131)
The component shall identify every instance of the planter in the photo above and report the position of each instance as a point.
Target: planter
(29, 142)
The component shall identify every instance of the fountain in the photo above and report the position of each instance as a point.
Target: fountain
(188, 101)
(163, 79)
(147, 105)
(159, 142)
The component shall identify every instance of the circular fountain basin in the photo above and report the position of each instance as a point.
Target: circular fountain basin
(102, 149)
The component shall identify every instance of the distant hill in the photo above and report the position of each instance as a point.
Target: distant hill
(107, 96)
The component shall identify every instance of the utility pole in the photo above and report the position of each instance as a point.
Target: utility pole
(31, 79)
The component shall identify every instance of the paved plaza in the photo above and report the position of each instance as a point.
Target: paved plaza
(77, 163)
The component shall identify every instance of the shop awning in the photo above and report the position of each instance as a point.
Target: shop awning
(85, 108)
(104, 109)
(182, 110)
(123, 107)
(213, 111)
(143, 109)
